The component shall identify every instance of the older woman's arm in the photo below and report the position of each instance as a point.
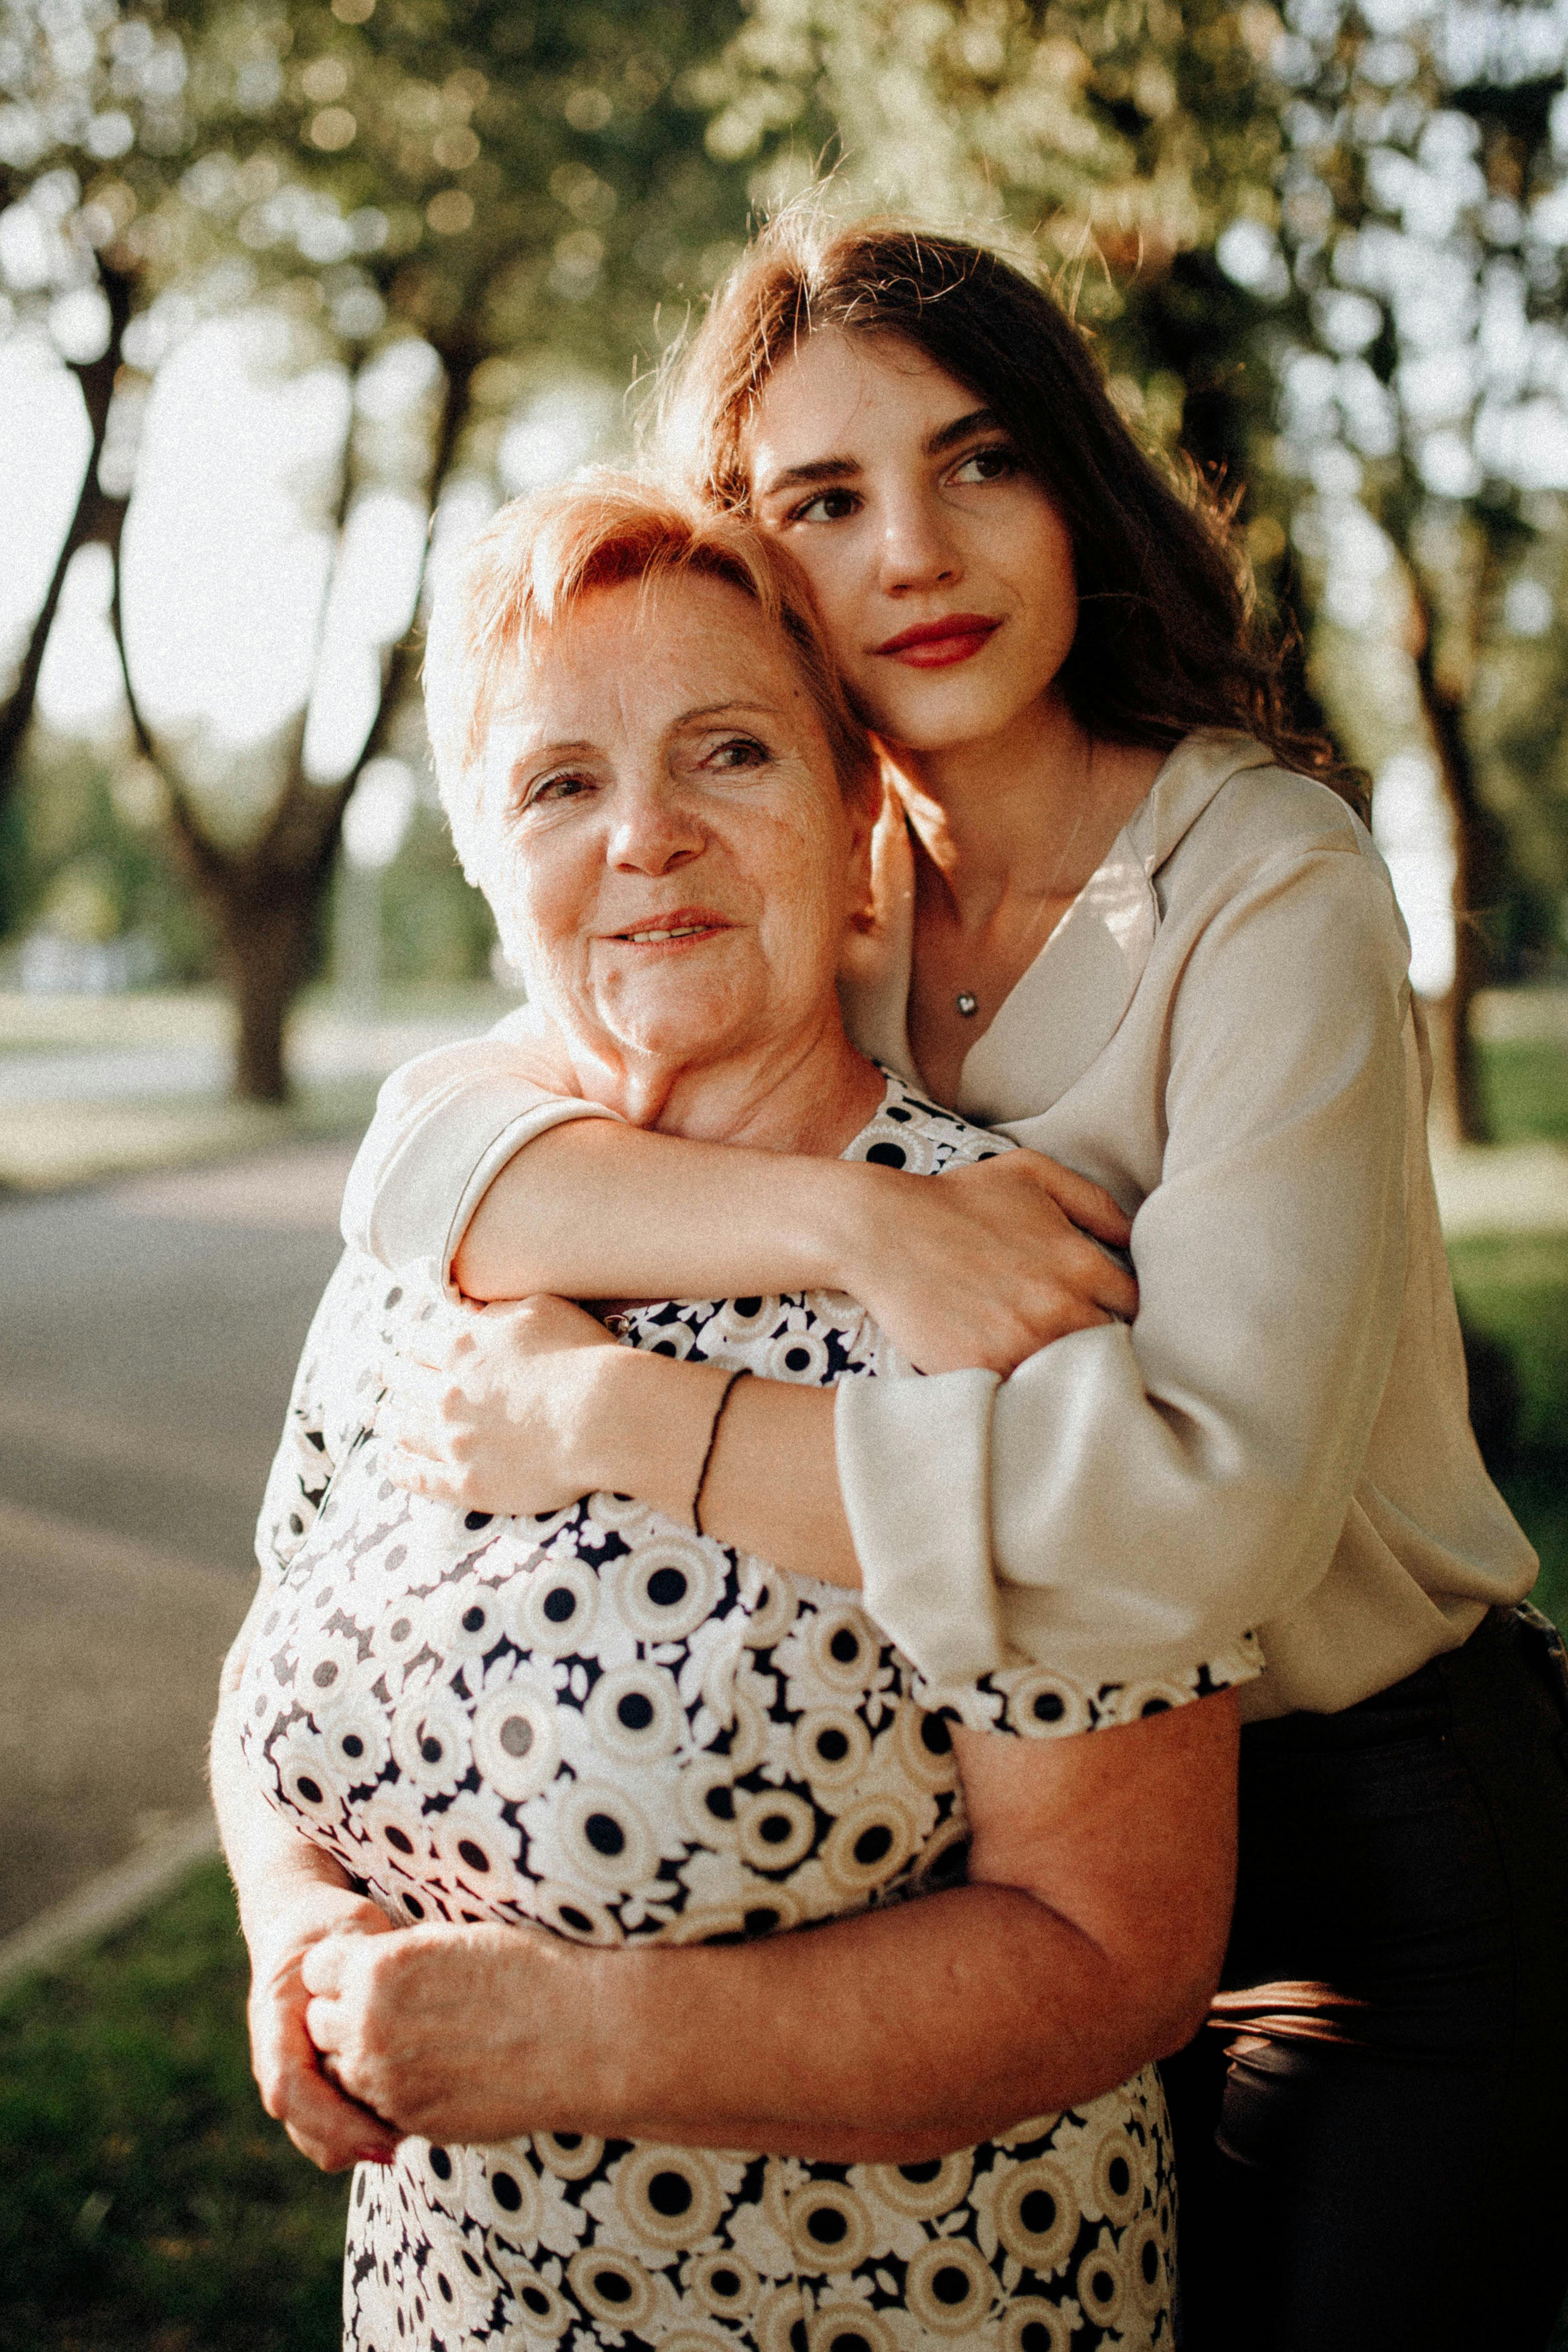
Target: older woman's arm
(290, 1895)
(1088, 1943)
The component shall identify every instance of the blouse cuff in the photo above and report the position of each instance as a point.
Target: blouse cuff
(525, 1128)
(914, 1469)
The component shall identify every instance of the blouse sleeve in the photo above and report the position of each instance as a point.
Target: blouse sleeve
(1047, 1702)
(1133, 1496)
(445, 1125)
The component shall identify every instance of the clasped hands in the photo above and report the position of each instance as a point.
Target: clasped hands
(448, 2033)
(361, 2031)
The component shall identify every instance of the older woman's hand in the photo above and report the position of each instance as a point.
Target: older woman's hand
(322, 2121)
(454, 2034)
(485, 1407)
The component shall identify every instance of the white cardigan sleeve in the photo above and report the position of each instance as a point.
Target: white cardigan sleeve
(445, 1125)
(1137, 1494)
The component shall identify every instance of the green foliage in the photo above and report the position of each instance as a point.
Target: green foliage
(1512, 1290)
(149, 2202)
(79, 852)
(502, 180)
(1525, 1082)
(435, 928)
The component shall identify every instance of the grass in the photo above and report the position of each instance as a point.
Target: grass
(1524, 1089)
(151, 2205)
(1512, 1290)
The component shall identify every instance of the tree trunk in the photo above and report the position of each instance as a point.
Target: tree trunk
(265, 918)
(97, 521)
(263, 900)
(1459, 1114)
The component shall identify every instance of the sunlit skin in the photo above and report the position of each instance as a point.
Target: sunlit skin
(676, 865)
(910, 512)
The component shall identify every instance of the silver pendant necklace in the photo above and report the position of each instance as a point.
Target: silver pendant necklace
(966, 1002)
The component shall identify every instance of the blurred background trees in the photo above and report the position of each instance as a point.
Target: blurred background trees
(1322, 251)
(443, 233)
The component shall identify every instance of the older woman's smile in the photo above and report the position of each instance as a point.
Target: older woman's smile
(680, 928)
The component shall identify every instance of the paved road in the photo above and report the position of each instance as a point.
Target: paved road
(148, 1335)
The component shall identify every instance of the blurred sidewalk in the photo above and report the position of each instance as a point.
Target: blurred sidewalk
(150, 1335)
(91, 1086)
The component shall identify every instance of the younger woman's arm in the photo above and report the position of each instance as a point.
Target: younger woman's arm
(484, 1170)
(527, 1406)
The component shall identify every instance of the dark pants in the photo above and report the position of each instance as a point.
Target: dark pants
(1372, 2132)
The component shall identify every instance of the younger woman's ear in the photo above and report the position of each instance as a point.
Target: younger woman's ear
(872, 817)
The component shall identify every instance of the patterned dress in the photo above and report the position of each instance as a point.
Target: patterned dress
(597, 1722)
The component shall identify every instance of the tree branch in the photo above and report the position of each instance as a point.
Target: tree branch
(97, 520)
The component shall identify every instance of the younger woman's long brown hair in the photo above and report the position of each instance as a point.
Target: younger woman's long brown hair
(1168, 638)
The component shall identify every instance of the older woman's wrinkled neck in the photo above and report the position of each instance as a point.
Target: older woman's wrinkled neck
(808, 1090)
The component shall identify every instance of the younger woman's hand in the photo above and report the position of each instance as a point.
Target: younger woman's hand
(985, 1266)
(323, 2122)
(485, 1407)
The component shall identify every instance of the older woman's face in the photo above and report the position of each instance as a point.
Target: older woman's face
(669, 855)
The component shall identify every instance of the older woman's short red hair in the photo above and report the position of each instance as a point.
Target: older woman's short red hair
(540, 556)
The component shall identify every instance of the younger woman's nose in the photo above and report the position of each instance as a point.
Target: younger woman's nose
(916, 549)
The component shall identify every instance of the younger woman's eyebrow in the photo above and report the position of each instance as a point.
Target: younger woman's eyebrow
(841, 469)
(979, 420)
(820, 469)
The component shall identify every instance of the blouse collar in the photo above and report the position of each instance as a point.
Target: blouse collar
(1071, 1001)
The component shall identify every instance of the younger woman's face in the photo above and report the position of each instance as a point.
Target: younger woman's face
(941, 570)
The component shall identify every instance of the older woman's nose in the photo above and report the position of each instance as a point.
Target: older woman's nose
(915, 548)
(654, 829)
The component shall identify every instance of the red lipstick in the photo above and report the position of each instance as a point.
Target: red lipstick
(936, 645)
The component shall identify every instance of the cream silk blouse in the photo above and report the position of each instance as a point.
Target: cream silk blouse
(1220, 1031)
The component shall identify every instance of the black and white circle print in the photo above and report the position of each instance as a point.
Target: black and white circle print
(600, 1723)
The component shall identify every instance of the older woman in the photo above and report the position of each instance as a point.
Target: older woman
(551, 1751)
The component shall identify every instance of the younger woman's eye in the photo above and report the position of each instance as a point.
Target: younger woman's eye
(992, 464)
(827, 506)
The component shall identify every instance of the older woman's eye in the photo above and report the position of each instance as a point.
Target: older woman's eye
(558, 788)
(737, 751)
